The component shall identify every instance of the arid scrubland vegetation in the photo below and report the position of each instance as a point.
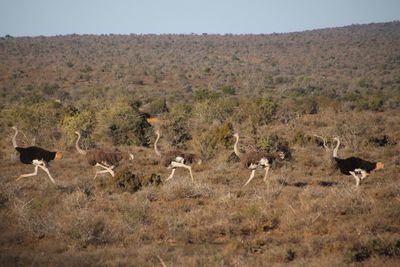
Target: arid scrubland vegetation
(275, 90)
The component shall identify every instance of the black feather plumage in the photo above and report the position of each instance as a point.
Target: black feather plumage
(28, 154)
(353, 163)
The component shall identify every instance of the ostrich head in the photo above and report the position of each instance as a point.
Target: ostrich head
(59, 156)
(379, 166)
(236, 135)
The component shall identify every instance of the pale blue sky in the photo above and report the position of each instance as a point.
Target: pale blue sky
(55, 17)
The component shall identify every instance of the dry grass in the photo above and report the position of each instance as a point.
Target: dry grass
(307, 214)
(299, 218)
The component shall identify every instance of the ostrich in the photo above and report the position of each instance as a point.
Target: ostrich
(175, 159)
(107, 160)
(36, 156)
(355, 166)
(254, 160)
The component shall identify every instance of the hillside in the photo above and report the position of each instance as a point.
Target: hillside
(275, 90)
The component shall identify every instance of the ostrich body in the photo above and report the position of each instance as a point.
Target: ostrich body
(175, 159)
(107, 160)
(255, 160)
(355, 166)
(36, 156)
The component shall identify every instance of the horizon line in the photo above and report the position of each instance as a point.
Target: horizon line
(193, 33)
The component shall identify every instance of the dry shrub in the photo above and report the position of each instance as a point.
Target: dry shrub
(36, 216)
(90, 230)
(137, 215)
(352, 130)
(77, 200)
(185, 189)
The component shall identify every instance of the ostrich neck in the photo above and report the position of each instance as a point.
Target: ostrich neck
(80, 151)
(335, 150)
(14, 139)
(155, 145)
(235, 147)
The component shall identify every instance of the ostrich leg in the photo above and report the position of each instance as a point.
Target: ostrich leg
(29, 174)
(251, 177)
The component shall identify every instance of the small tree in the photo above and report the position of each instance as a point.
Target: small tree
(274, 143)
(258, 111)
(209, 142)
(82, 121)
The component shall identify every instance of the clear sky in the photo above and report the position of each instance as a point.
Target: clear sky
(60, 17)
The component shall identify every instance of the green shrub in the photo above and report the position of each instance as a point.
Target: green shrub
(259, 111)
(209, 142)
(228, 90)
(218, 109)
(360, 101)
(86, 69)
(274, 143)
(122, 124)
(157, 106)
(75, 120)
(306, 105)
(204, 94)
(377, 247)
(381, 141)
(301, 139)
(137, 215)
(127, 181)
(37, 117)
(50, 89)
(138, 82)
(176, 126)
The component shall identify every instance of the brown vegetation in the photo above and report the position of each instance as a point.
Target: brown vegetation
(277, 90)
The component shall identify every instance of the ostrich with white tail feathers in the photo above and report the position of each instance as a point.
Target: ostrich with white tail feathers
(175, 159)
(254, 160)
(105, 159)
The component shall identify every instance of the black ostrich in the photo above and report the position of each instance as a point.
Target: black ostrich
(36, 156)
(254, 160)
(355, 166)
(105, 159)
(176, 159)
